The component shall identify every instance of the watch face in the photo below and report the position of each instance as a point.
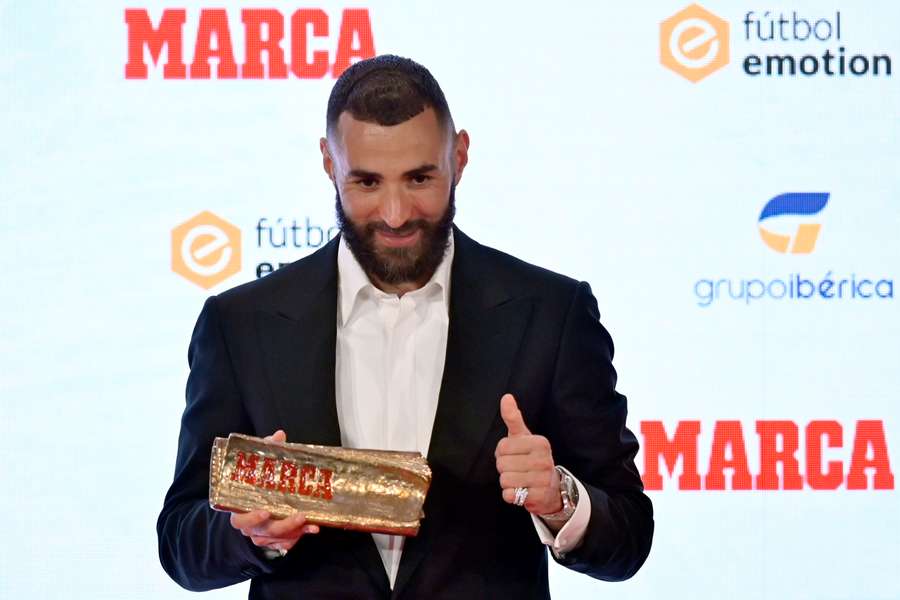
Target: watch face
(567, 484)
(572, 489)
(569, 492)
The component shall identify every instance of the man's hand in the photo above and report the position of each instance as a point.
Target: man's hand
(526, 460)
(266, 532)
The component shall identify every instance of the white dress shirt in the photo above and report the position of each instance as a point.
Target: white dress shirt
(388, 370)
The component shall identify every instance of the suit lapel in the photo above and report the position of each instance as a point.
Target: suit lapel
(487, 322)
(298, 337)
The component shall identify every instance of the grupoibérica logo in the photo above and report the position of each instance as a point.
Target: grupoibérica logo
(800, 212)
(803, 239)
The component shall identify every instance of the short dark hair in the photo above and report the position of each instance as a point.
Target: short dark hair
(386, 90)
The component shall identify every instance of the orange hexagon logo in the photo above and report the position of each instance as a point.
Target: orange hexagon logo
(693, 43)
(206, 249)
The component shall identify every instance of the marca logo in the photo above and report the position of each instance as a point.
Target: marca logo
(264, 30)
(206, 250)
(693, 43)
(803, 241)
(865, 464)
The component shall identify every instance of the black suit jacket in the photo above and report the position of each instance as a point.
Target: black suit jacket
(262, 358)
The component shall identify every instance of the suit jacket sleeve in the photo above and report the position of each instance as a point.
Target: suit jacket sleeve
(588, 434)
(198, 548)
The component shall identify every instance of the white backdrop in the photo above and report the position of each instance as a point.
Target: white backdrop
(589, 156)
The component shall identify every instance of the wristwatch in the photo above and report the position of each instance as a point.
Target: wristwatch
(568, 493)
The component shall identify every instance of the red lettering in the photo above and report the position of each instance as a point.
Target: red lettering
(324, 488)
(834, 476)
(683, 444)
(141, 33)
(769, 455)
(728, 434)
(778, 445)
(301, 66)
(263, 32)
(304, 487)
(355, 26)
(286, 480)
(267, 480)
(870, 434)
(213, 21)
(245, 469)
(253, 19)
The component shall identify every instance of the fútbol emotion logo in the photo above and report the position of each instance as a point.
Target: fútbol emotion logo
(783, 43)
(693, 42)
(206, 249)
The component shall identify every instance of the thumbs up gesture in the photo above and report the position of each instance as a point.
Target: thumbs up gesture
(526, 461)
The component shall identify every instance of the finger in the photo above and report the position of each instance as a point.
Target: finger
(285, 528)
(246, 521)
(512, 416)
(536, 500)
(531, 479)
(286, 544)
(273, 543)
(524, 462)
(269, 542)
(543, 501)
(278, 436)
(286, 541)
(524, 444)
(288, 527)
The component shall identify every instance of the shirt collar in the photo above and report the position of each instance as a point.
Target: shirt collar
(352, 280)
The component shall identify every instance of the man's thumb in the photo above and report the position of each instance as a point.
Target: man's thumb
(512, 416)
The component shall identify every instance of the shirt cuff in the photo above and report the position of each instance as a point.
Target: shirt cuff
(571, 534)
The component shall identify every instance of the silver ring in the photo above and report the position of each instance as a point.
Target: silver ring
(521, 495)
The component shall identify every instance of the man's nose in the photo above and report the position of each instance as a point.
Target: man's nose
(396, 208)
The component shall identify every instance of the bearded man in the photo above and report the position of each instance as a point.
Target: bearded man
(403, 333)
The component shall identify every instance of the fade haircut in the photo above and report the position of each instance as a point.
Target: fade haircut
(387, 90)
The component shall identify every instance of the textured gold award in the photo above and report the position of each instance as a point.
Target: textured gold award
(367, 490)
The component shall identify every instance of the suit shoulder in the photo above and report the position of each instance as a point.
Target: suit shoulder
(313, 271)
(517, 272)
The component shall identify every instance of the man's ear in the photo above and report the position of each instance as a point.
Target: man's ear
(327, 161)
(461, 153)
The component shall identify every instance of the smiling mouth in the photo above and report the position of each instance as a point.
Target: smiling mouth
(398, 239)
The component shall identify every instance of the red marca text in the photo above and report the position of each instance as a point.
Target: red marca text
(283, 475)
(264, 31)
(779, 442)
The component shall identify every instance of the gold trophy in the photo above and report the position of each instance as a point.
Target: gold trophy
(366, 490)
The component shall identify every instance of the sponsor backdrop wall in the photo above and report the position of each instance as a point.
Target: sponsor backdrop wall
(727, 178)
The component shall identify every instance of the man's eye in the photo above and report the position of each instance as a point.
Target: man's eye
(367, 182)
(420, 178)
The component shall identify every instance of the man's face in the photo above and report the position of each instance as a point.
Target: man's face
(395, 193)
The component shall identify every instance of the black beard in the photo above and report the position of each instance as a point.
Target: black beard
(395, 266)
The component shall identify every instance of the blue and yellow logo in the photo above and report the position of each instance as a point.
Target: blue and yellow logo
(803, 241)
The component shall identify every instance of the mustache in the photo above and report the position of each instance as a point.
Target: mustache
(405, 229)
